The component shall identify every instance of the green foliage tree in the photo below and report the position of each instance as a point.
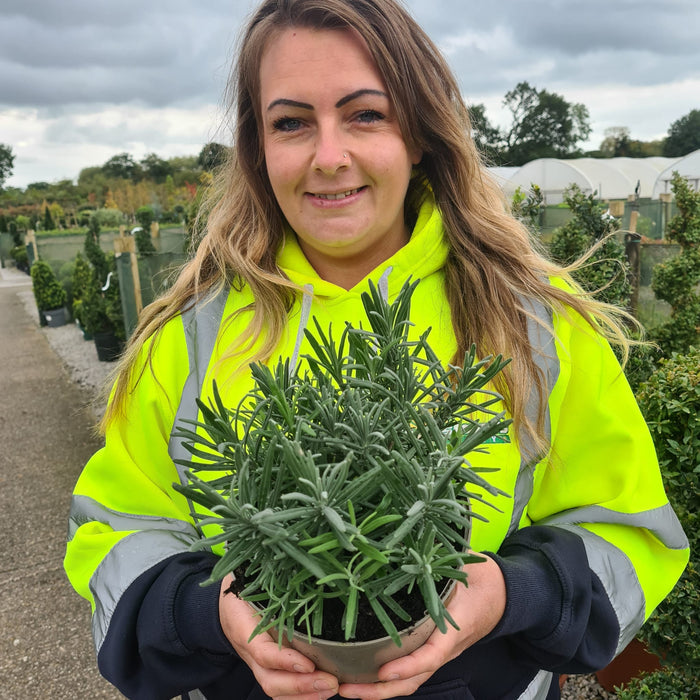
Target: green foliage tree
(94, 253)
(590, 232)
(676, 280)
(48, 292)
(145, 216)
(683, 135)
(527, 206)
(670, 401)
(23, 222)
(155, 168)
(544, 125)
(122, 166)
(7, 163)
(212, 156)
(82, 279)
(487, 137)
(49, 224)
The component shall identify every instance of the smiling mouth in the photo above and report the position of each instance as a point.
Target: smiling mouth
(339, 195)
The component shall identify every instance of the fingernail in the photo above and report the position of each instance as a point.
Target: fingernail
(394, 677)
(299, 668)
(322, 685)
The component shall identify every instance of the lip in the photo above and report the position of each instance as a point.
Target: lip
(338, 198)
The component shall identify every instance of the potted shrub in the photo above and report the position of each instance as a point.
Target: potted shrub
(341, 490)
(49, 294)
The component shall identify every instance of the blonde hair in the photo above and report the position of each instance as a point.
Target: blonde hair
(492, 265)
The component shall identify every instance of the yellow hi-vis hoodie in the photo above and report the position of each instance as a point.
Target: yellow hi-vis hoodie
(588, 543)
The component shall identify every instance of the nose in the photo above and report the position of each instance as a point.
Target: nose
(331, 152)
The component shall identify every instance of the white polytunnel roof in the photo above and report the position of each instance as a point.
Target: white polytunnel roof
(688, 167)
(610, 178)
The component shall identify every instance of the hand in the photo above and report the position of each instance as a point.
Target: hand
(282, 673)
(477, 609)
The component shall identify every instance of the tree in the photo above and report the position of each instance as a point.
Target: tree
(212, 156)
(155, 168)
(122, 166)
(7, 163)
(683, 135)
(487, 137)
(544, 125)
(605, 275)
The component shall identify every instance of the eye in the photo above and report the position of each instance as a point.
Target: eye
(286, 124)
(368, 116)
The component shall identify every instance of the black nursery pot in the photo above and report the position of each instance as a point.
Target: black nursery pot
(108, 347)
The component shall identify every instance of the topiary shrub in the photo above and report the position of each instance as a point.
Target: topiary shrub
(670, 401)
(48, 291)
(605, 273)
(676, 280)
(82, 278)
(145, 216)
(666, 684)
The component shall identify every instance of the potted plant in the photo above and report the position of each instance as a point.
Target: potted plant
(341, 491)
(49, 294)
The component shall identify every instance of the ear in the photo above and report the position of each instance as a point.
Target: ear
(416, 155)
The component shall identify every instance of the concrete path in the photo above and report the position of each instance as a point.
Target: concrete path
(46, 650)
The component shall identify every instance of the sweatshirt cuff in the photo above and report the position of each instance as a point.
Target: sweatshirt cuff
(196, 612)
(540, 566)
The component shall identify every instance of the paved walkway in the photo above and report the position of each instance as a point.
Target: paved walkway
(45, 646)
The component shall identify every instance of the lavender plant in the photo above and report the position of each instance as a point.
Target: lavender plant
(344, 481)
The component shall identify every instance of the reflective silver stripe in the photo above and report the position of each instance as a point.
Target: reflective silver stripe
(619, 578)
(544, 355)
(539, 687)
(661, 521)
(307, 298)
(85, 509)
(126, 561)
(201, 324)
(196, 695)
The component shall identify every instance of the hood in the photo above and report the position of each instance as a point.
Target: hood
(425, 253)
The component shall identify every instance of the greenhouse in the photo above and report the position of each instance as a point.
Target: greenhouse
(688, 167)
(610, 178)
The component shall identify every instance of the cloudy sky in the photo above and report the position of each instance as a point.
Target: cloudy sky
(83, 80)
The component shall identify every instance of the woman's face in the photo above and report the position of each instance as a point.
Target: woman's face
(335, 156)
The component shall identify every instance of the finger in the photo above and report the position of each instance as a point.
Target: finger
(268, 654)
(282, 684)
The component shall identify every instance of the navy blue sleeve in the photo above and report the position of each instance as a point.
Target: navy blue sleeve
(165, 637)
(557, 614)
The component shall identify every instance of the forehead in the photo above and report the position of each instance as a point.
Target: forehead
(316, 61)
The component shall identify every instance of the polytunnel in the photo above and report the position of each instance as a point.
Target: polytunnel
(688, 167)
(610, 178)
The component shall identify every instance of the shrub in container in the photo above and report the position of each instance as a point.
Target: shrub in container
(340, 487)
(49, 294)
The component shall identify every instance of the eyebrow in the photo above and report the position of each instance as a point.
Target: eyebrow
(340, 103)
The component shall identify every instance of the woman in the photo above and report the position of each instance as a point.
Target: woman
(353, 160)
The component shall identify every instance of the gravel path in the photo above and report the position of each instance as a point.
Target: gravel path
(80, 359)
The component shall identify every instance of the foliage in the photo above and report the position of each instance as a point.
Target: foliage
(212, 156)
(528, 206)
(145, 216)
(155, 168)
(605, 271)
(683, 135)
(82, 279)
(144, 244)
(346, 480)
(48, 292)
(101, 310)
(121, 166)
(676, 280)
(487, 137)
(94, 253)
(7, 162)
(109, 218)
(544, 125)
(19, 254)
(617, 143)
(670, 401)
(667, 684)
